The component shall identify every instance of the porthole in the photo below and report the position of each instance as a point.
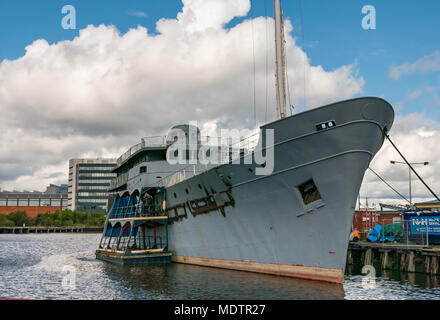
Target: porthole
(200, 186)
(186, 190)
(175, 195)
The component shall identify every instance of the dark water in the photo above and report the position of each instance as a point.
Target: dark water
(63, 266)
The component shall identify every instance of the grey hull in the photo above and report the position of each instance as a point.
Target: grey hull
(268, 228)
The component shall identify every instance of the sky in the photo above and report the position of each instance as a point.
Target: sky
(135, 68)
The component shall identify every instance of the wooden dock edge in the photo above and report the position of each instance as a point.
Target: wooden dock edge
(402, 257)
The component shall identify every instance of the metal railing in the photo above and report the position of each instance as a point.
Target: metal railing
(137, 242)
(146, 142)
(247, 144)
(135, 211)
(227, 152)
(118, 181)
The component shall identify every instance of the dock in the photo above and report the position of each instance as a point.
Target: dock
(25, 230)
(394, 256)
(136, 233)
(134, 256)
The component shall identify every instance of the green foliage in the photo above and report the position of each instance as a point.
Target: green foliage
(66, 218)
(5, 222)
(19, 218)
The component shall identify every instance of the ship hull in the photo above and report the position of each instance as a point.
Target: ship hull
(304, 272)
(269, 229)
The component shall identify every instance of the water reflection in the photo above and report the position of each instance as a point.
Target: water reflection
(31, 267)
(391, 284)
(178, 281)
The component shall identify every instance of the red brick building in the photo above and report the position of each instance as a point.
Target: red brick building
(389, 217)
(34, 203)
(31, 212)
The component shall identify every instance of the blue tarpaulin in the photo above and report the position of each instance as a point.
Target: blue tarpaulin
(388, 233)
(374, 234)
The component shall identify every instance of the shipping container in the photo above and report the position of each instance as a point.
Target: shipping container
(422, 226)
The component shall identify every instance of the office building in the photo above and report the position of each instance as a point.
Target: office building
(89, 180)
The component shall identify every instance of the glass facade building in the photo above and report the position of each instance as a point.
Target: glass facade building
(89, 180)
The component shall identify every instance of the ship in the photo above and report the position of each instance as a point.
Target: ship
(293, 220)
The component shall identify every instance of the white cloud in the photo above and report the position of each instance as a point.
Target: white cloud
(428, 63)
(417, 138)
(139, 14)
(415, 94)
(102, 91)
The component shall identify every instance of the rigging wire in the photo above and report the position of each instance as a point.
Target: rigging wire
(410, 166)
(418, 176)
(389, 185)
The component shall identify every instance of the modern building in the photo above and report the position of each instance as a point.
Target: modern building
(89, 180)
(35, 202)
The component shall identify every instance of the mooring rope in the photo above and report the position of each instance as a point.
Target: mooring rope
(410, 166)
(389, 185)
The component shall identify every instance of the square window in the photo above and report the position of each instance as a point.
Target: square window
(309, 192)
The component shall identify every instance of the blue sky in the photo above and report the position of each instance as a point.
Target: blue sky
(406, 31)
(120, 75)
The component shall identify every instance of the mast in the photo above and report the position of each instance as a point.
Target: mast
(280, 61)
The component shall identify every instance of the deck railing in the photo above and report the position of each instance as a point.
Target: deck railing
(227, 150)
(248, 144)
(118, 181)
(135, 211)
(146, 142)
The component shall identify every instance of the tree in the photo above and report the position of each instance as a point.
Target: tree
(5, 222)
(19, 218)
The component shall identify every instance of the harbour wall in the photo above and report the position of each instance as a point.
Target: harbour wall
(21, 230)
(401, 257)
